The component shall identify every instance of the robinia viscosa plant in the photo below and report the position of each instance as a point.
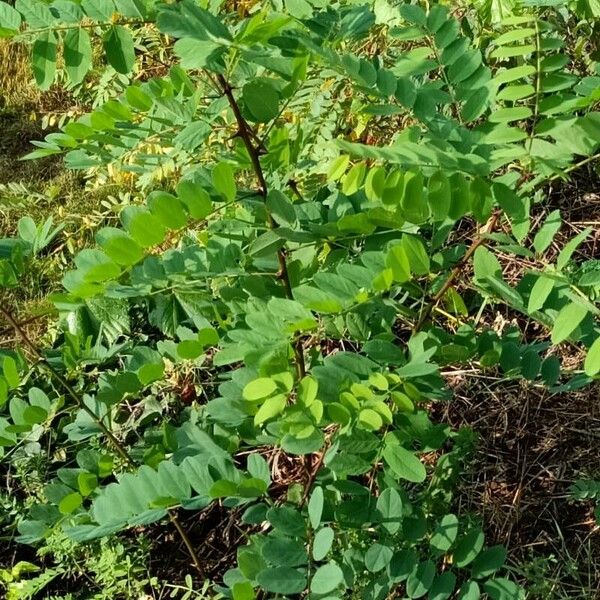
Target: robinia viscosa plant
(305, 260)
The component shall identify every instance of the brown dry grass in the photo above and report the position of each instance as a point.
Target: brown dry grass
(532, 446)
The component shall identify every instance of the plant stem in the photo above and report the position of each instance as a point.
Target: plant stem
(538, 87)
(187, 542)
(478, 241)
(28, 32)
(117, 445)
(247, 135)
(315, 471)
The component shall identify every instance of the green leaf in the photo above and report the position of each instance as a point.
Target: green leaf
(138, 99)
(33, 415)
(87, 483)
(475, 105)
(146, 229)
(439, 195)
(322, 543)
(485, 265)
(96, 266)
(195, 198)
(338, 167)
(189, 349)
(43, 59)
(353, 180)
(550, 371)
(503, 589)
(167, 209)
(281, 208)
(287, 520)
(197, 54)
(315, 507)
(445, 533)
(259, 388)
(3, 391)
(488, 562)
(383, 281)
(512, 93)
(508, 75)
(284, 552)
(592, 360)
(413, 14)
(514, 35)
(36, 14)
(540, 291)
(77, 52)
(10, 20)
(465, 67)
(374, 183)
(259, 468)
(282, 580)
(404, 463)
(377, 557)
(304, 445)
(468, 547)
(266, 245)
(459, 202)
(413, 202)
(70, 503)
(270, 408)
(261, 99)
(243, 590)
(224, 181)
(403, 563)
(389, 506)
(98, 10)
(469, 591)
(326, 579)
(420, 580)
(370, 419)
(119, 49)
(222, 488)
(443, 586)
(300, 9)
(308, 389)
(543, 238)
(567, 252)
(416, 254)
(192, 135)
(187, 19)
(504, 291)
(119, 246)
(397, 260)
(567, 321)
(11, 374)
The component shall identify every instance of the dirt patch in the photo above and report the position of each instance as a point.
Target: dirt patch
(532, 446)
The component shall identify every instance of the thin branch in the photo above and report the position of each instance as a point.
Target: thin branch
(93, 25)
(313, 474)
(479, 241)
(247, 135)
(28, 321)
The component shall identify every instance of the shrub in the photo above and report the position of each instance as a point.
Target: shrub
(345, 188)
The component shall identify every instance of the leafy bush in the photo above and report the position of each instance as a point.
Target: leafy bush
(345, 189)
